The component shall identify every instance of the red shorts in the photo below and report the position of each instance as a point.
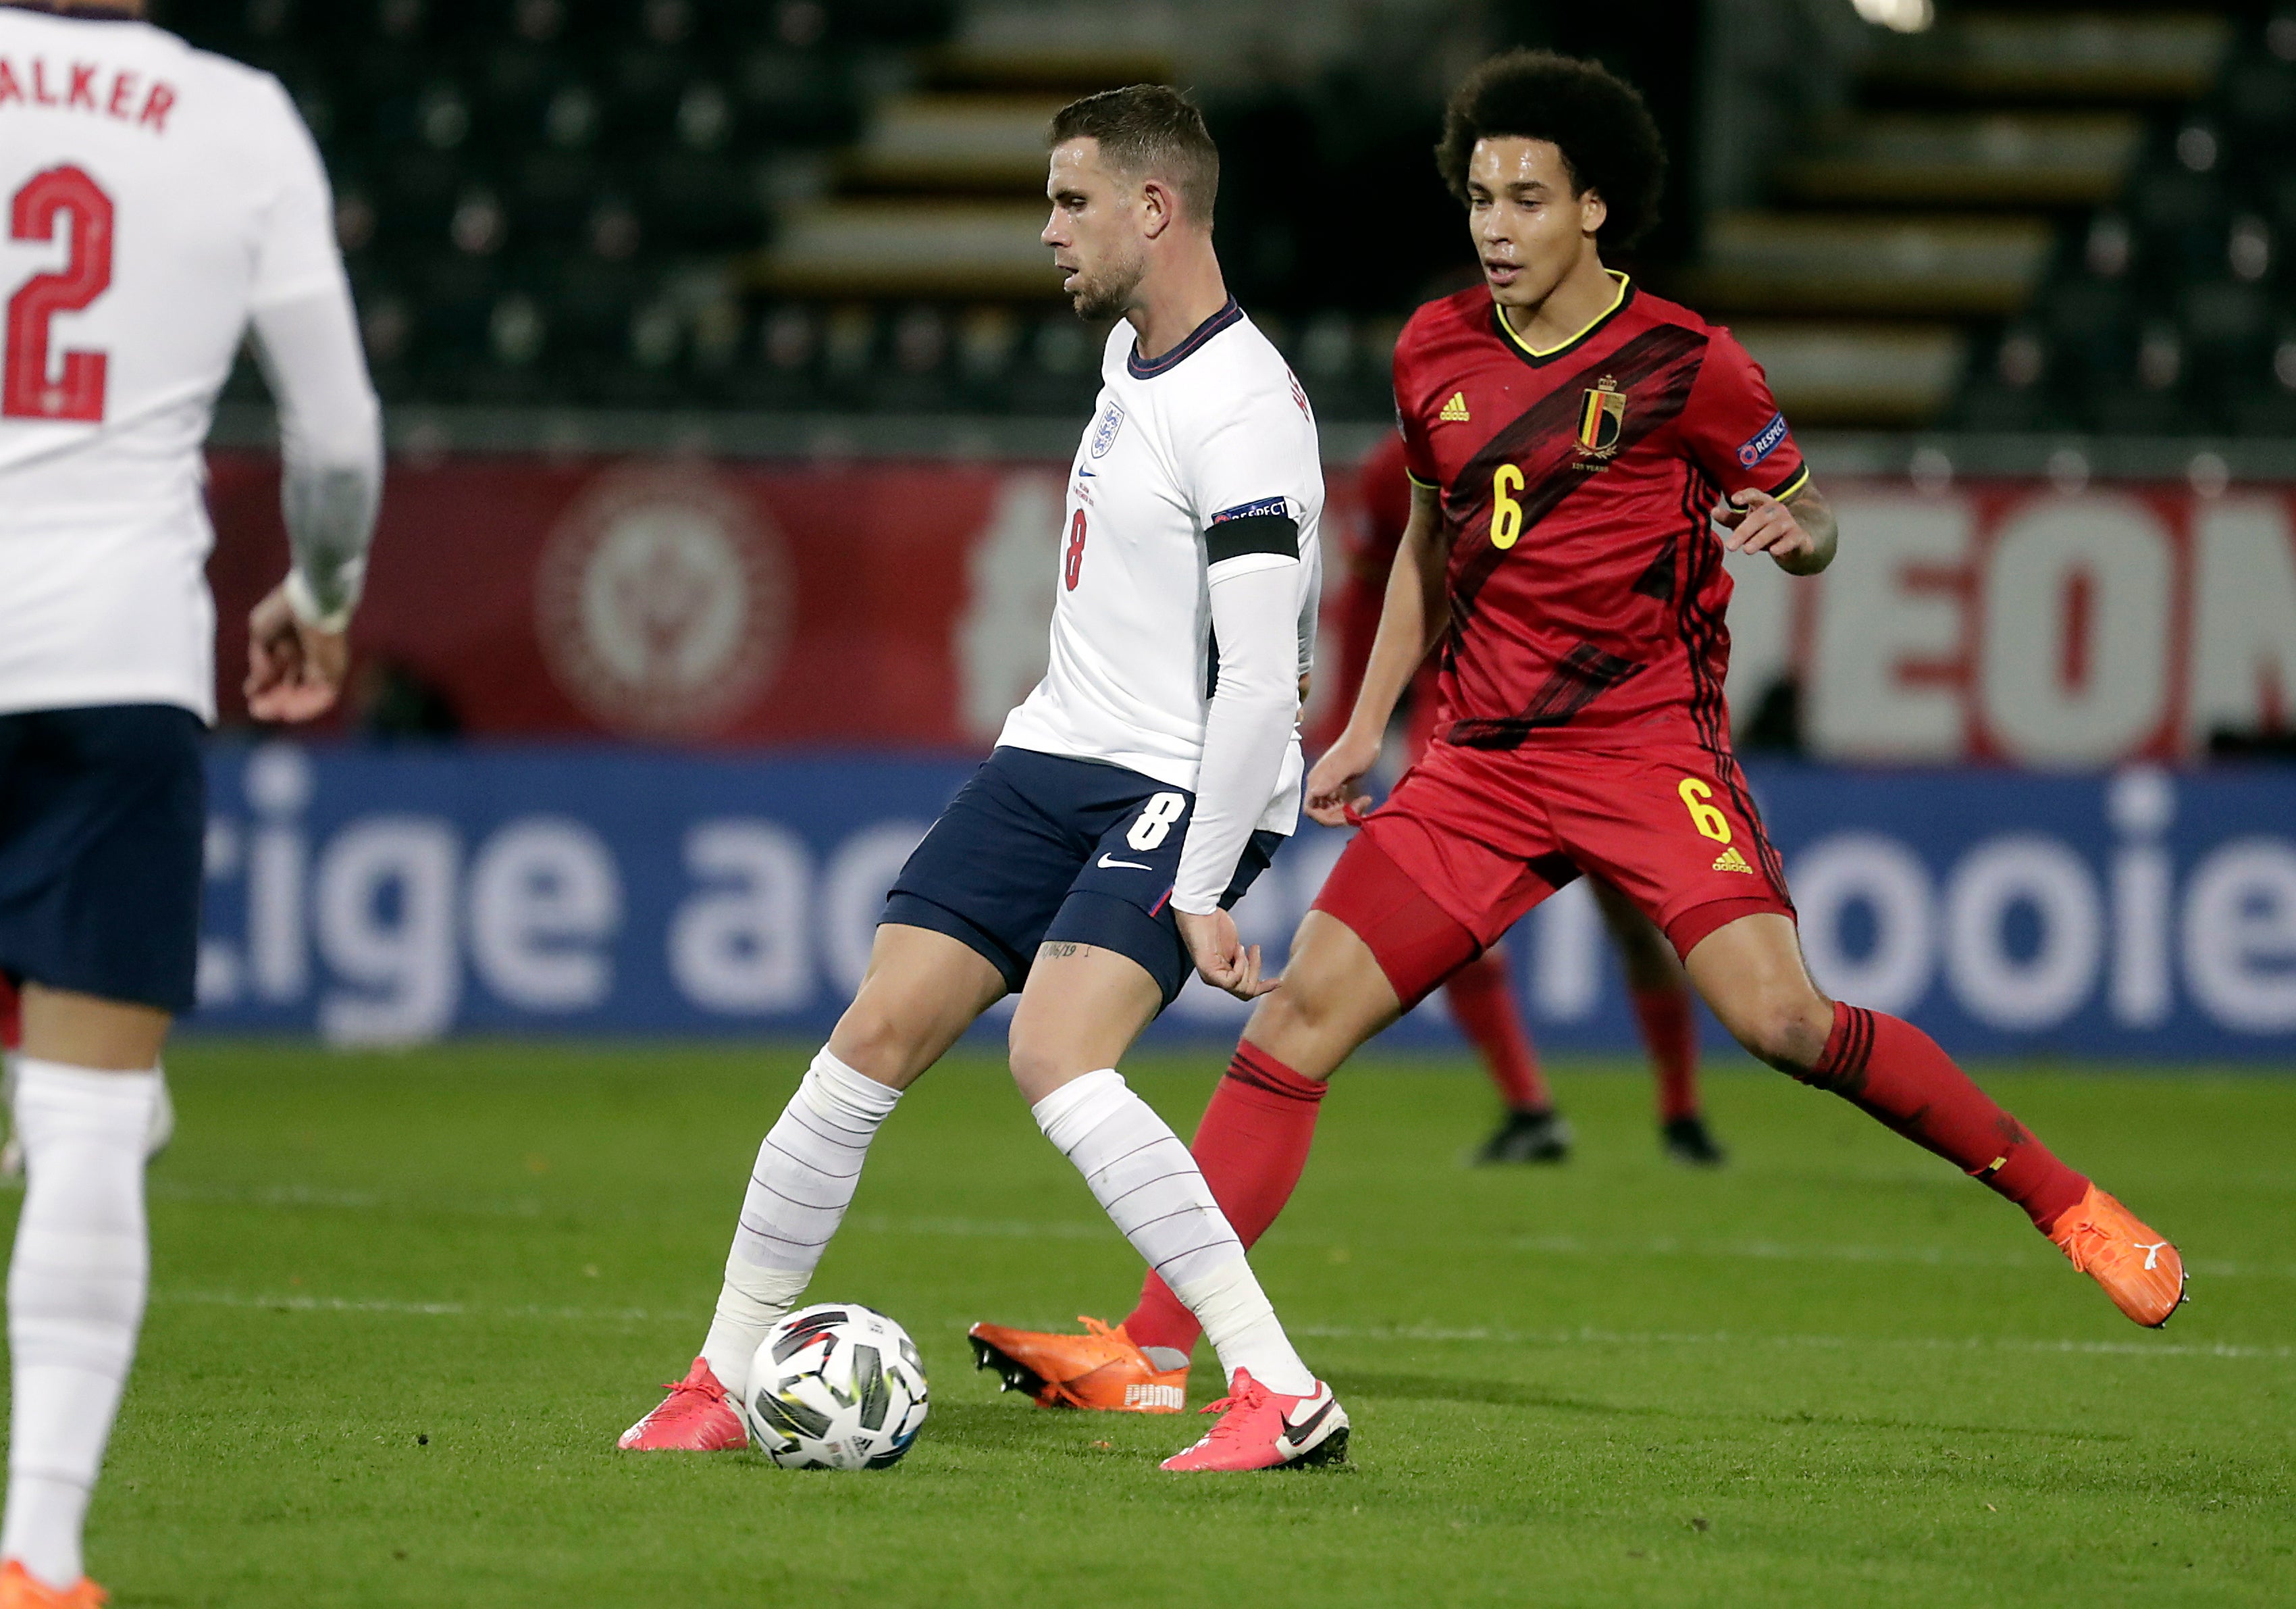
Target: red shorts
(1472, 839)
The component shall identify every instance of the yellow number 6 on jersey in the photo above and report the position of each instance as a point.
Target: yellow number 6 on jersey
(1704, 816)
(1507, 513)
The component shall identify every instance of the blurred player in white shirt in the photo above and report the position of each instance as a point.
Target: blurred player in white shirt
(159, 204)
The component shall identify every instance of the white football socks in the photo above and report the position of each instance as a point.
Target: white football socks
(1241, 1324)
(804, 1180)
(1148, 1185)
(75, 1290)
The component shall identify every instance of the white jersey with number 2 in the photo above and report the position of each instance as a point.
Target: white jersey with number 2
(152, 197)
(1217, 429)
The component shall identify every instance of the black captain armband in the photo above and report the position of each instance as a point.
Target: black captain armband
(1232, 538)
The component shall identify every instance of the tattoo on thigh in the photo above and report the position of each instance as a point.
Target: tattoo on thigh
(1061, 952)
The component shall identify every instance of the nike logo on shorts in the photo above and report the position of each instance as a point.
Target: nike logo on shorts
(1110, 864)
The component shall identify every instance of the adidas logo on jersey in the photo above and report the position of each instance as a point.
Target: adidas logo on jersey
(1455, 412)
(1730, 860)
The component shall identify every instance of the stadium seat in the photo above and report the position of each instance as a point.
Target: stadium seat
(2004, 231)
(516, 178)
(2169, 312)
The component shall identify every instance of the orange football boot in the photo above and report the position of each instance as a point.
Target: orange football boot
(2138, 1269)
(697, 1416)
(1100, 1368)
(20, 1589)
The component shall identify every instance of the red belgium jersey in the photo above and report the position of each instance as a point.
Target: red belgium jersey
(1586, 587)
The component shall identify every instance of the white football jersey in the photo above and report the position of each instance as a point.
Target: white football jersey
(156, 195)
(1218, 428)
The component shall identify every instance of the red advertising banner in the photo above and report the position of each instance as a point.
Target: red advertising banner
(905, 605)
(688, 602)
(2017, 623)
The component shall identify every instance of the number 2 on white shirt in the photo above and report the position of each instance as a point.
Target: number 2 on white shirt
(26, 388)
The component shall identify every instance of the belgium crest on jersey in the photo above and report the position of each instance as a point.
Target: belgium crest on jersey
(1602, 419)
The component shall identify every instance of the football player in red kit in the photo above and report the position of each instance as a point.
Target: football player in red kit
(1481, 1000)
(1582, 455)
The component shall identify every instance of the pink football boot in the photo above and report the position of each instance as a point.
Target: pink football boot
(697, 1416)
(1261, 1429)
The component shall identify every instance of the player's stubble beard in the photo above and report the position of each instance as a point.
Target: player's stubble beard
(1108, 292)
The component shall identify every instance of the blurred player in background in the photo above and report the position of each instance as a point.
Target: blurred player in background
(1581, 455)
(161, 203)
(1136, 793)
(1480, 994)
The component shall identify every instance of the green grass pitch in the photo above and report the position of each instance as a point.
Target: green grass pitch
(403, 1304)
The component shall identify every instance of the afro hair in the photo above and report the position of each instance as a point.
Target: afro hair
(1610, 144)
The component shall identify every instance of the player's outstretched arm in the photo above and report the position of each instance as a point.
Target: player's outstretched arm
(1409, 623)
(1799, 533)
(330, 445)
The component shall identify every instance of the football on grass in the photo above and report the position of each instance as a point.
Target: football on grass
(836, 1386)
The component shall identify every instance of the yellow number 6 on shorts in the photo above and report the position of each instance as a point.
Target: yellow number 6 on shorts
(1703, 816)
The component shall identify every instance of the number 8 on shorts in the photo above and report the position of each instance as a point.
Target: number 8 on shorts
(1156, 819)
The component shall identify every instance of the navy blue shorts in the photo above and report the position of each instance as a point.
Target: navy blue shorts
(103, 823)
(1041, 849)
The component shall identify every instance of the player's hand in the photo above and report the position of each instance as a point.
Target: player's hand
(1333, 789)
(1222, 958)
(1754, 522)
(294, 670)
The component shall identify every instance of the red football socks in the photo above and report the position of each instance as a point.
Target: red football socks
(1483, 1005)
(1251, 1146)
(1671, 1034)
(1895, 1073)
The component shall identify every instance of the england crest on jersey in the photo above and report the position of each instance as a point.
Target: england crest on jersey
(1103, 435)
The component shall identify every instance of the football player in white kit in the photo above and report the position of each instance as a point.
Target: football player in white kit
(158, 202)
(1089, 863)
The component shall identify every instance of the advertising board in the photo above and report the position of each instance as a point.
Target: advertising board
(393, 895)
(886, 604)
